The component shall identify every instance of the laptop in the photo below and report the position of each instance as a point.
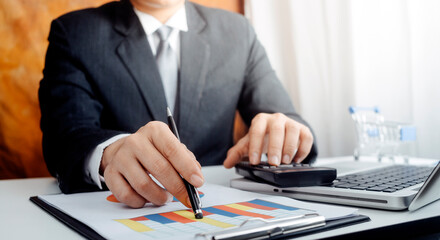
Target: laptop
(378, 185)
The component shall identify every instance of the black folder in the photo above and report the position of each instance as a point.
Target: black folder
(89, 233)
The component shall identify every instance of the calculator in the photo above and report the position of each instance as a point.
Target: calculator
(287, 175)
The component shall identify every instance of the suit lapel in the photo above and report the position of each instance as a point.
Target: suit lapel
(195, 53)
(136, 55)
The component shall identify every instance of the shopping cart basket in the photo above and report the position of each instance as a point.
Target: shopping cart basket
(379, 137)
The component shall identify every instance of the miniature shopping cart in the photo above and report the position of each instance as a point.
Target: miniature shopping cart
(379, 137)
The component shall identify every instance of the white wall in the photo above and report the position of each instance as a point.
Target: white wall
(332, 54)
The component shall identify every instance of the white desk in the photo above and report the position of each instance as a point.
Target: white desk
(21, 219)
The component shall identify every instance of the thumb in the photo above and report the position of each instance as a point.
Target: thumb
(237, 152)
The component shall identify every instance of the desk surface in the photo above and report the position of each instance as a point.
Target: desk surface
(21, 219)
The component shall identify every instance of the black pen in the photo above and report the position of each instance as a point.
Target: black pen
(194, 198)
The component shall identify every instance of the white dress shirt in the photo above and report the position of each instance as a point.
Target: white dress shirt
(178, 22)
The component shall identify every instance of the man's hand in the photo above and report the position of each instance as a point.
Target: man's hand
(154, 150)
(282, 138)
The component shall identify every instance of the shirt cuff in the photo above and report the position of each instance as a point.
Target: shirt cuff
(93, 161)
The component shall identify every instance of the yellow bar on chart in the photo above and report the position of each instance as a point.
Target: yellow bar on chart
(239, 206)
(206, 220)
(136, 226)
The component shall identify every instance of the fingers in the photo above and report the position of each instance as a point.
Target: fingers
(257, 133)
(164, 172)
(154, 150)
(276, 138)
(136, 182)
(237, 152)
(142, 183)
(175, 153)
(290, 142)
(305, 144)
(167, 158)
(287, 140)
(122, 190)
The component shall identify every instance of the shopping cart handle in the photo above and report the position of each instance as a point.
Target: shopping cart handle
(353, 109)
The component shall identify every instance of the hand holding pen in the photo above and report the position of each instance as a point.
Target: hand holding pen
(152, 150)
(193, 195)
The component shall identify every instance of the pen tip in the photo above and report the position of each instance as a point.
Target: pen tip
(169, 112)
(199, 215)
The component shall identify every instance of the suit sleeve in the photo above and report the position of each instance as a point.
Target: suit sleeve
(70, 114)
(262, 92)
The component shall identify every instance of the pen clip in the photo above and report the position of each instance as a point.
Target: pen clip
(199, 202)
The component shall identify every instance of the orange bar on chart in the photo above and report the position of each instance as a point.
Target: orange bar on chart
(205, 213)
(141, 218)
(176, 217)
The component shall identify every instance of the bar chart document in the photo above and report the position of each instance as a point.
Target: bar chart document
(166, 225)
(223, 208)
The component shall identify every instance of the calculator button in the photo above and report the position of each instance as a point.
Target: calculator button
(286, 166)
(261, 166)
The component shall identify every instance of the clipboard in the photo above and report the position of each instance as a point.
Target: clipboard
(282, 228)
(69, 221)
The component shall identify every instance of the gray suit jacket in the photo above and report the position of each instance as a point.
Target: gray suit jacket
(101, 79)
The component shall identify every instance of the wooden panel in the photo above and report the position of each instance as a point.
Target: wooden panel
(231, 5)
(24, 27)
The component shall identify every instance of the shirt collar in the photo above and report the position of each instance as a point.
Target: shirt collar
(150, 24)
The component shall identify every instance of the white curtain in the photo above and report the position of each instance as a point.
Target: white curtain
(333, 54)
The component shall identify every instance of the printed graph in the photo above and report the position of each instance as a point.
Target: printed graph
(215, 218)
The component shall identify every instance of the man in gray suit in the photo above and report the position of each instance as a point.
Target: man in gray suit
(103, 100)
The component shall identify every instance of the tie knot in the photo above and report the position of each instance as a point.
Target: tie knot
(163, 32)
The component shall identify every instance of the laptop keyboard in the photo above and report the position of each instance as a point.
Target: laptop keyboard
(387, 179)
